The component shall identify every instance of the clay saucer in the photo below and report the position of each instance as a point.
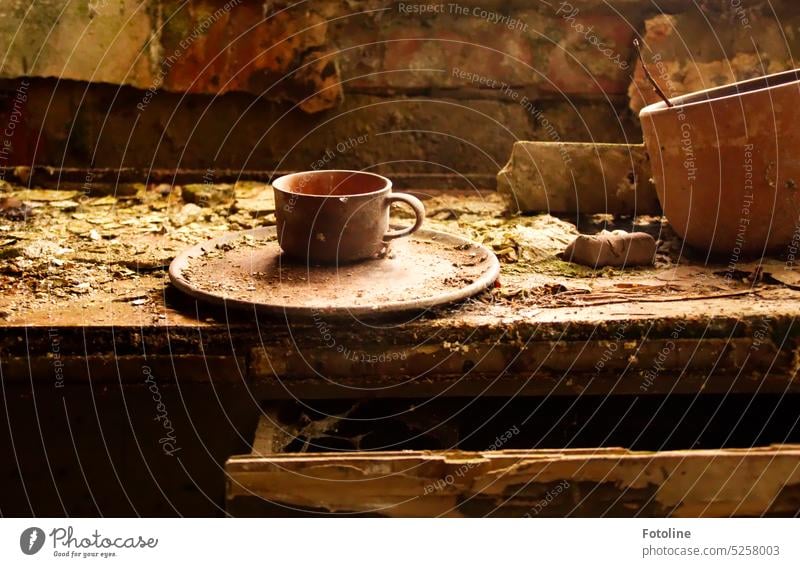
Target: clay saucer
(247, 270)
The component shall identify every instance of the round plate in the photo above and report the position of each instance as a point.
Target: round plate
(247, 270)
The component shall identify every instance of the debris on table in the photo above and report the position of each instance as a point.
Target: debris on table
(189, 213)
(254, 198)
(121, 245)
(616, 248)
(532, 239)
(208, 194)
(45, 195)
(58, 244)
(13, 208)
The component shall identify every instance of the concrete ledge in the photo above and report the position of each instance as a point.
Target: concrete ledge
(557, 177)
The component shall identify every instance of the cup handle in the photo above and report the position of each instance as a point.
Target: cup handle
(419, 213)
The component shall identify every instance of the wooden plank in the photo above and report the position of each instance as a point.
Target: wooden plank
(588, 482)
(65, 368)
(271, 436)
(631, 367)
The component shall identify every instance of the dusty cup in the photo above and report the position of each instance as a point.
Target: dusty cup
(332, 216)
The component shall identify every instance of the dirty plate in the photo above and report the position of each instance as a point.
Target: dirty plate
(246, 270)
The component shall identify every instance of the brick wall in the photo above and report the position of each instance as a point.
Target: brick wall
(238, 84)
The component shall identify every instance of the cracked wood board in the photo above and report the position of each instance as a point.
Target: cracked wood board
(528, 367)
(524, 353)
(559, 177)
(579, 482)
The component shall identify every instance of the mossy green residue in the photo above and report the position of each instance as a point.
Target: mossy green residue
(557, 267)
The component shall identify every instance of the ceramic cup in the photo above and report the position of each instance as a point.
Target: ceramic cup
(335, 216)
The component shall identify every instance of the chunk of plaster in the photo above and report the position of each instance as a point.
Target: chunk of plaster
(617, 248)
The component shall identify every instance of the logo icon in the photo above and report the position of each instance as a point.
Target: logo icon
(31, 540)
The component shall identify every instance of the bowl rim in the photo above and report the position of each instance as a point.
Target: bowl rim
(739, 89)
(278, 183)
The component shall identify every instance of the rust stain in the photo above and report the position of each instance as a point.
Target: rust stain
(283, 56)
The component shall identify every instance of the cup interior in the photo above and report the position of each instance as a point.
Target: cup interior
(332, 182)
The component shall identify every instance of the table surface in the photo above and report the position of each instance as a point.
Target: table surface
(88, 273)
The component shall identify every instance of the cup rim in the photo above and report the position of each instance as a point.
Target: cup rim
(386, 181)
(738, 89)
